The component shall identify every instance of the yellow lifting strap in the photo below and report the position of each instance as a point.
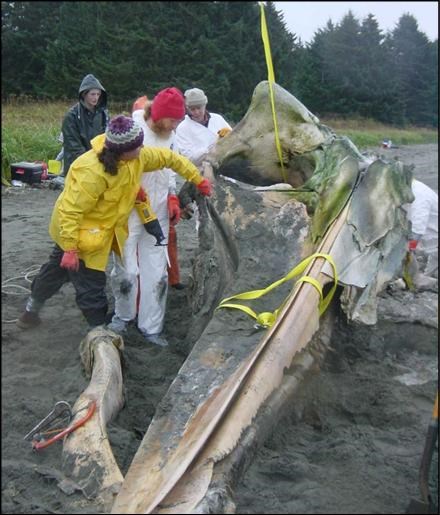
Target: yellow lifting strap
(267, 318)
(271, 80)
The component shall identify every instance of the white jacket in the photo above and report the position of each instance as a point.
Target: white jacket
(160, 184)
(423, 214)
(194, 139)
(144, 265)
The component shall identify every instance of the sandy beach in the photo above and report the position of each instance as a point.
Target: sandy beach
(352, 443)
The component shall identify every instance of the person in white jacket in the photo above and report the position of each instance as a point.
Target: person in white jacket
(196, 135)
(423, 214)
(140, 281)
(200, 129)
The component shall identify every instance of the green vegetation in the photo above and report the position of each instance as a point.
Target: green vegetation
(349, 69)
(413, 136)
(30, 130)
(375, 86)
(367, 133)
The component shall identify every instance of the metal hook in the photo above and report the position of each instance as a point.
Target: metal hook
(59, 409)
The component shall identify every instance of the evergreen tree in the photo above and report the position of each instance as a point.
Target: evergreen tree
(311, 82)
(26, 30)
(341, 61)
(377, 90)
(137, 48)
(284, 47)
(415, 70)
(432, 91)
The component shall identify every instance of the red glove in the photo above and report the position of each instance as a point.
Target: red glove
(173, 209)
(141, 195)
(205, 188)
(70, 260)
(412, 244)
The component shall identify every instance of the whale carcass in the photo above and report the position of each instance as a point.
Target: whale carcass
(340, 212)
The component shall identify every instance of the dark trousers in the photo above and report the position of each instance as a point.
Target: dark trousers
(89, 286)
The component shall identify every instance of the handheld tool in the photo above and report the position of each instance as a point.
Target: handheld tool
(427, 504)
(42, 443)
(150, 221)
(60, 411)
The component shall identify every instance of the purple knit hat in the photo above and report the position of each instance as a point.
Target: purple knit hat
(123, 134)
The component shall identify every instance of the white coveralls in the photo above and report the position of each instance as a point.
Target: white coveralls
(193, 139)
(423, 214)
(143, 268)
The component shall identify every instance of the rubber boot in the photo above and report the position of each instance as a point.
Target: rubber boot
(30, 318)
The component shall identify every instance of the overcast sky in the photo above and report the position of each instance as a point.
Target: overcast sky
(305, 18)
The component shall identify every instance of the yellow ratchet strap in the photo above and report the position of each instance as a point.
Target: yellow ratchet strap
(271, 80)
(267, 318)
(407, 277)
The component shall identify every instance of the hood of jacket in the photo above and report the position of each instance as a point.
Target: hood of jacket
(97, 143)
(91, 82)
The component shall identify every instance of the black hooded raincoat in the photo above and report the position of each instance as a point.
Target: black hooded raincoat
(80, 125)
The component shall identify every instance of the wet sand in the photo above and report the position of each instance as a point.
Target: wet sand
(351, 444)
(353, 440)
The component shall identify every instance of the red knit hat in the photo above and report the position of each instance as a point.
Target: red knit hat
(168, 103)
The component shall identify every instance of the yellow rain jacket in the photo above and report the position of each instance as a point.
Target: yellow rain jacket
(91, 213)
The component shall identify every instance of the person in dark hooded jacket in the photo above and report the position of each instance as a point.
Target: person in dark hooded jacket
(85, 120)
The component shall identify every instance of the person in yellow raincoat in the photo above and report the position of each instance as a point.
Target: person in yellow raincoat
(89, 219)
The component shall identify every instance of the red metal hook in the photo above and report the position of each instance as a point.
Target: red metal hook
(36, 445)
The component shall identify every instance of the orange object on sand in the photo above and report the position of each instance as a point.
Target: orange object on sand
(173, 270)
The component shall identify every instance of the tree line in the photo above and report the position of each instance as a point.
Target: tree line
(351, 68)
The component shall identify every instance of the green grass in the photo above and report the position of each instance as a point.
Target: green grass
(30, 130)
(366, 133)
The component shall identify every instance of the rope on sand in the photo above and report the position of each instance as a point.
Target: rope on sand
(8, 285)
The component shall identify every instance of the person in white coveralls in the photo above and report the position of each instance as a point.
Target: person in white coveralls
(142, 258)
(423, 214)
